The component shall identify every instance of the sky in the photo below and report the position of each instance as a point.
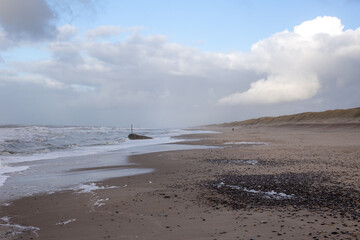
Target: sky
(175, 63)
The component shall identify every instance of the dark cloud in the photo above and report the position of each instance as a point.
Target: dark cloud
(27, 19)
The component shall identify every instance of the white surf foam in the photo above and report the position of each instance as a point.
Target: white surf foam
(5, 170)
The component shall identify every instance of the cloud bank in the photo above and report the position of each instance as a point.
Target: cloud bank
(111, 75)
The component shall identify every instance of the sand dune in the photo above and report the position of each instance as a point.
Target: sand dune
(337, 116)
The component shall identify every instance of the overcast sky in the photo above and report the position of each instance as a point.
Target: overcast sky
(175, 63)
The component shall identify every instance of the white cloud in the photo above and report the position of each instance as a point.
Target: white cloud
(103, 31)
(294, 62)
(13, 77)
(154, 55)
(276, 89)
(320, 25)
(66, 32)
(68, 52)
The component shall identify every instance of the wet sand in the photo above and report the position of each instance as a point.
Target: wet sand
(199, 194)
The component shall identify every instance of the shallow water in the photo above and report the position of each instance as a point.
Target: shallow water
(29, 173)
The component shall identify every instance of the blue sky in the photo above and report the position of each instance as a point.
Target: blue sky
(219, 25)
(175, 63)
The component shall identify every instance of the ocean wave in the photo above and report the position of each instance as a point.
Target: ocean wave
(27, 140)
(31, 143)
(5, 170)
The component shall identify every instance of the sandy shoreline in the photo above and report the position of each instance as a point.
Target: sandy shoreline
(177, 200)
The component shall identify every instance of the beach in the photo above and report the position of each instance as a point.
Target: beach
(255, 182)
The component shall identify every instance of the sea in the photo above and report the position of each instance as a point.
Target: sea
(46, 159)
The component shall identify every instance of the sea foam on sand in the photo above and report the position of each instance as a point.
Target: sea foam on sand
(66, 222)
(246, 143)
(18, 229)
(88, 188)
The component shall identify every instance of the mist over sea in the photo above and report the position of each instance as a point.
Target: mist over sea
(36, 159)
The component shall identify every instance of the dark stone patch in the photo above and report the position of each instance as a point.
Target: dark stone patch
(312, 191)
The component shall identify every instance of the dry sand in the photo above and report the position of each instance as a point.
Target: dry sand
(183, 197)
